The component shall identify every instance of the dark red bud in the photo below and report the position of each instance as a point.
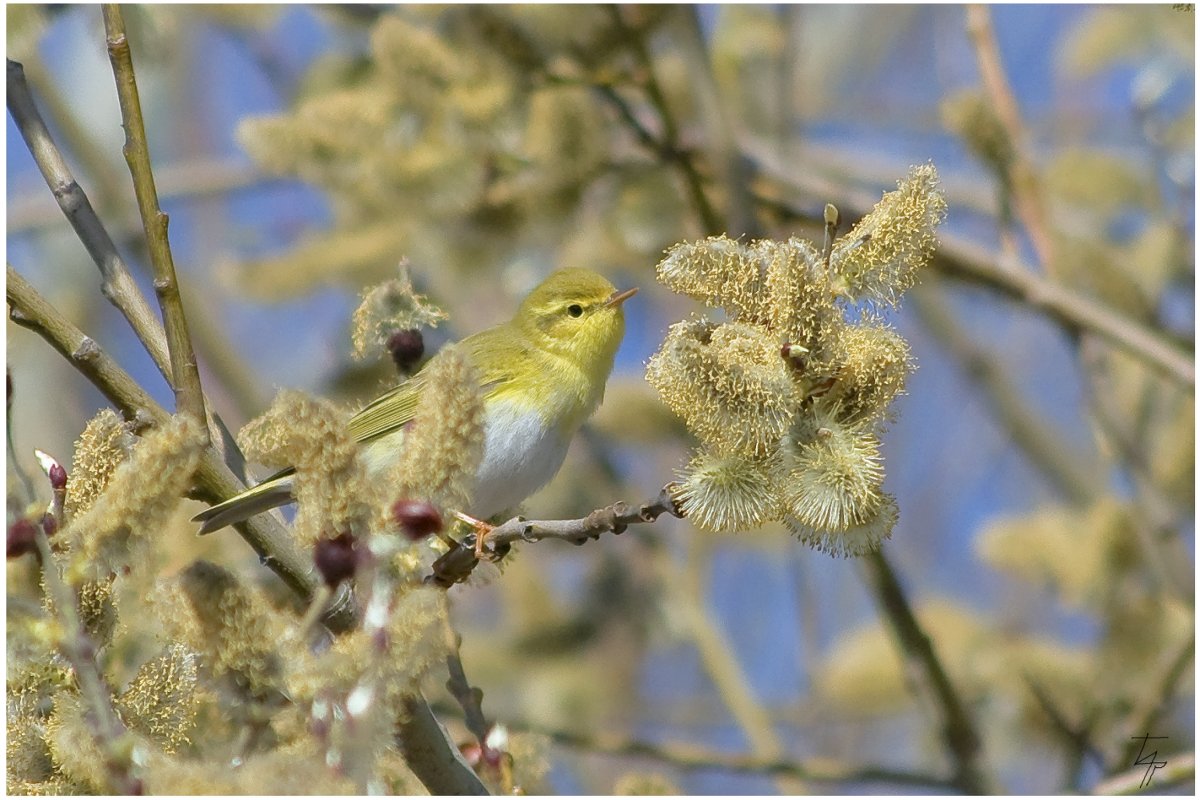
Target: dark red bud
(49, 524)
(58, 477)
(406, 347)
(336, 558)
(416, 518)
(22, 536)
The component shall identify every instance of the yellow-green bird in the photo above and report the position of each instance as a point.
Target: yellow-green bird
(543, 374)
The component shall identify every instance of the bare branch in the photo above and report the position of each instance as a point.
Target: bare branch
(431, 755)
(116, 282)
(469, 697)
(959, 735)
(185, 377)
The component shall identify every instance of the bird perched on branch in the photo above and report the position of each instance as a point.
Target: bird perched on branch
(542, 374)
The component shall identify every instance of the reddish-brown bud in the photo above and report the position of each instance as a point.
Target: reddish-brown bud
(336, 558)
(416, 518)
(58, 477)
(406, 347)
(49, 524)
(22, 536)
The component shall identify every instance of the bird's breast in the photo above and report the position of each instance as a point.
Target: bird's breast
(521, 453)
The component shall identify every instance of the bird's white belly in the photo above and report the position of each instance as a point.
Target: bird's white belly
(521, 453)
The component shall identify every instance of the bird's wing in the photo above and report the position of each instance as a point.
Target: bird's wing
(396, 408)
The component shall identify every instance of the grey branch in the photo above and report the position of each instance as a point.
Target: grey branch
(457, 564)
(116, 281)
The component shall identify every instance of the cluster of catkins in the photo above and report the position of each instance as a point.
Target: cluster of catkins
(788, 395)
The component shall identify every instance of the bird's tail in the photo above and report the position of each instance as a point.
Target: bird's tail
(274, 491)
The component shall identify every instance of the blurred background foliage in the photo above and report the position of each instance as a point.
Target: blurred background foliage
(1045, 479)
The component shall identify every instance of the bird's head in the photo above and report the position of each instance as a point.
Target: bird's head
(576, 314)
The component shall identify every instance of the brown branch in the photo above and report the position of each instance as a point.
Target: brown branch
(185, 377)
(959, 735)
(962, 260)
(116, 282)
(1022, 175)
(457, 564)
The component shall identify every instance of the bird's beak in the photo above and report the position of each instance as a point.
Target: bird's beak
(620, 297)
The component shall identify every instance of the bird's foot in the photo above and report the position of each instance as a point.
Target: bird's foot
(481, 528)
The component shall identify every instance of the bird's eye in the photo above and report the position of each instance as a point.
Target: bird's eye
(575, 310)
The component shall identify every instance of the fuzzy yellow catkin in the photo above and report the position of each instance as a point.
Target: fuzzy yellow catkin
(444, 445)
(388, 307)
(799, 294)
(161, 700)
(231, 626)
(77, 752)
(881, 255)
(105, 442)
(833, 480)
(29, 689)
(872, 364)
(727, 382)
(412, 645)
(137, 500)
(727, 492)
(719, 272)
(854, 540)
(330, 483)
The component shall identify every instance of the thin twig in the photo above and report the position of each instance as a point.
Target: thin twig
(109, 732)
(185, 377)
(116, 282)
(1023, 177)
(1180, 768)
(670, 146)
(959, 735)
(469, 698)
(191, 179)
(456, 565)
(690, 757)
